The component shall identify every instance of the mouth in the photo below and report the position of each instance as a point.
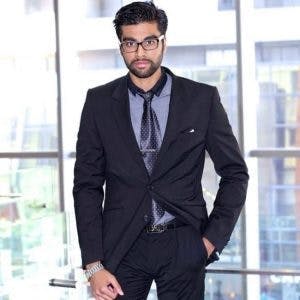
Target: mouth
(141, 63)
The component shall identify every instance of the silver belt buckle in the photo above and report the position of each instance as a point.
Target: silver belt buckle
(156, 228)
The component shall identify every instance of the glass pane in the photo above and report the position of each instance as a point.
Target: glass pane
(278, 76)
(226, 4)
(31, 253)
(279, 199)
(276, 3)
(101, 8)
(27, 66)
(29, 189)
(218, 287)
(230, 286)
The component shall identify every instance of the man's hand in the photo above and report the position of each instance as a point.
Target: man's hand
(105, 286)
(209, 246)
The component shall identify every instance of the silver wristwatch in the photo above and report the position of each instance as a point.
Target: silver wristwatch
(95, 268)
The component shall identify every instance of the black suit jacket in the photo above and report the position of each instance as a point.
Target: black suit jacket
(107, 151)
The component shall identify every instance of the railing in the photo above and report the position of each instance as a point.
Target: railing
(66, 283)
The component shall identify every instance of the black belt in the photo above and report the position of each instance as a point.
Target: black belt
(159, 228)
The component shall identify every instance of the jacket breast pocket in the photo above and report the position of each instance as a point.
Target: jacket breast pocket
(189, 138)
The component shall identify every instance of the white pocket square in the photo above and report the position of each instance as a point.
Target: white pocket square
(188, 130)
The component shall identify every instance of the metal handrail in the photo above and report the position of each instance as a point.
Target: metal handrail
(10, 195)
(67, 283)
(275, 152)
(278, 272)
(29, 154)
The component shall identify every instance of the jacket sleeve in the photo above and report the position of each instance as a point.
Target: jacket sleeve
(89, 176)
(230, 166)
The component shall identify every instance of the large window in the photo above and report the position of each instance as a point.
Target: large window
(29, 165)
(27, 67)
(278, 77)
(43, 90)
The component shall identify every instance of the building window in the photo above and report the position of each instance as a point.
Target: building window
(226, 4)
(32, 6)
(278, 52)
(275, 3)
(102, 8)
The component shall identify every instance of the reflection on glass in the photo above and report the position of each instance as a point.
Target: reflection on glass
(278, 75)
(33, 6)
(279, 198)
(226, 4)
(29, 189)
(102, 8)
(27, 66)
(275, 3)
(273, 287)
(279, 287)
(221, 287)
(32, 252)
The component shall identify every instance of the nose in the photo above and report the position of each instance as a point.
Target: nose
(140, 50)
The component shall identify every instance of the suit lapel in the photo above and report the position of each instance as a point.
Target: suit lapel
(121, 112)
(176, 109)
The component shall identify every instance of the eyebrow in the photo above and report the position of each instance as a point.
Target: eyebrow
(135, 40)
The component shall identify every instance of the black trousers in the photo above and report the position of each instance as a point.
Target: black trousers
(175, 259)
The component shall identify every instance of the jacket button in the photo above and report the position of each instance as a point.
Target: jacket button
(146, 218)
(150, 187)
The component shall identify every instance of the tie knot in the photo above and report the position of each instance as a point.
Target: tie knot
(147, 96)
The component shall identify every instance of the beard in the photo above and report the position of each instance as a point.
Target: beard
(147, 72)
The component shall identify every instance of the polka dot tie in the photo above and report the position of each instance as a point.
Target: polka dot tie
(149, 144)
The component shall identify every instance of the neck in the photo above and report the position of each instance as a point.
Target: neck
(148, 83)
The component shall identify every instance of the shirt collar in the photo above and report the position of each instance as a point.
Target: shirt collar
(157, 88)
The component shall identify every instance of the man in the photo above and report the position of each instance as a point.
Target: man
(145, 136)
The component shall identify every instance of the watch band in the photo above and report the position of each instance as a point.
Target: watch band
(95, 268)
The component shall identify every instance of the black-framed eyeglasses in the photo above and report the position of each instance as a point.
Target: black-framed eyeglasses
(147, 44)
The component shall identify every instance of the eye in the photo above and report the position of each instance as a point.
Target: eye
(129, 44)
(149, 43)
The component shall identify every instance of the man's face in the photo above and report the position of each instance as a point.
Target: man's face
(142, 63)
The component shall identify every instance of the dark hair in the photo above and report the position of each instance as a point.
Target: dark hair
(140, 12)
